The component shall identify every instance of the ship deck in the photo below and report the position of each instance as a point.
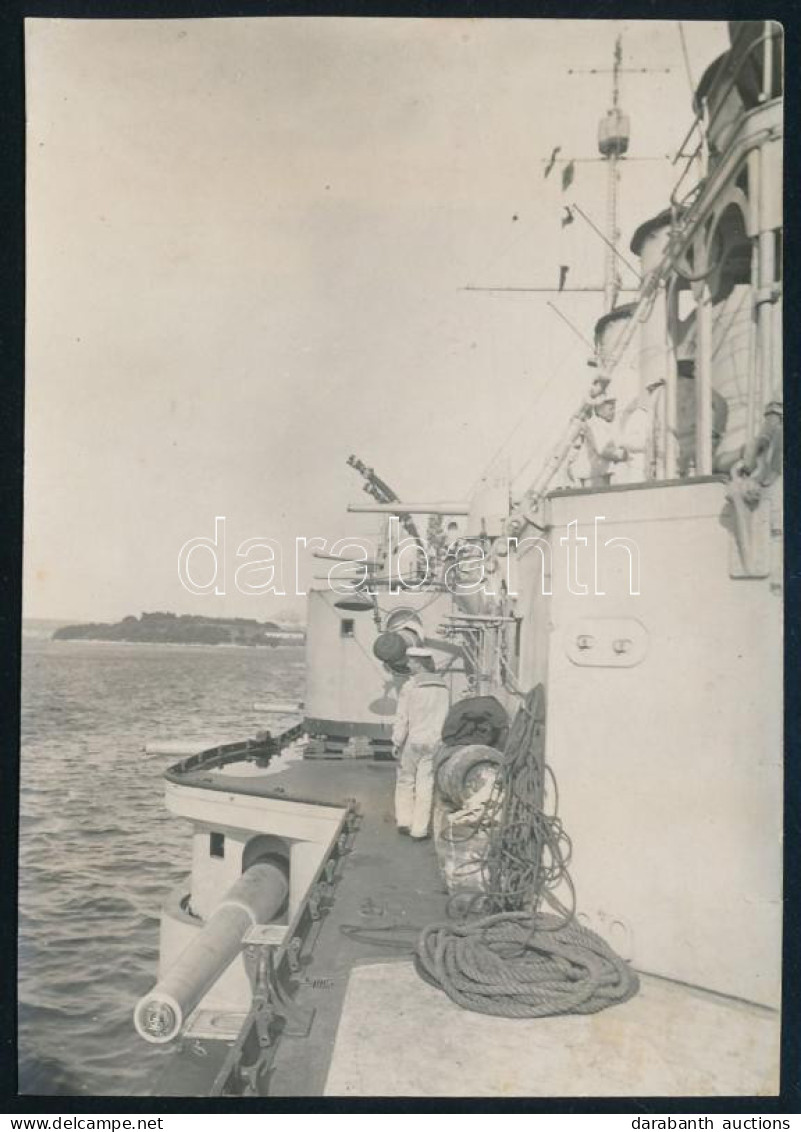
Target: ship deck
(389, 888)
(379, 1030)
(401, 1037)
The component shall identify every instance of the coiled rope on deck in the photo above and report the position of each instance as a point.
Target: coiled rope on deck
(518, 961)
(518, 966)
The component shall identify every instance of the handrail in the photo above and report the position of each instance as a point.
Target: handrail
(261, 749)
(683, 230)
(276, 996)
(763, 39)
(677, 244)
(710, 187)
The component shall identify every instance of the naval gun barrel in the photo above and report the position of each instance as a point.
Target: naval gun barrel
(256, 897)
(414, 508)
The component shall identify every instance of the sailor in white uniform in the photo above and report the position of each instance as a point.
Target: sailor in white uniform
(423, 704)
(603, 442)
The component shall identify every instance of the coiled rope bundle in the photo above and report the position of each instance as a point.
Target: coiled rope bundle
(519, 962)
(529, 849)
(518, 966)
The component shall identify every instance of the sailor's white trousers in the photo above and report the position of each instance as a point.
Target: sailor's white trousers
(415, 788)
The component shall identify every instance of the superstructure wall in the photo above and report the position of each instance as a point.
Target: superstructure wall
(664, 728)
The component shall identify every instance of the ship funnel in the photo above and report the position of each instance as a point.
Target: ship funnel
(256, 898)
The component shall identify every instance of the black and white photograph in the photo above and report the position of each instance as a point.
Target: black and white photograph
(402, 650)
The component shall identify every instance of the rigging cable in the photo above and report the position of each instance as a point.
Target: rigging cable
(519, 961)
(608, 242)
(686, 55)
(525, 417)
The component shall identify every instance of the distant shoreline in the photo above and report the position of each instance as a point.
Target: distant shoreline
(184, 629)
(223, 645)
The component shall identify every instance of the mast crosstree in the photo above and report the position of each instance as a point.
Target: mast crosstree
(613, 143)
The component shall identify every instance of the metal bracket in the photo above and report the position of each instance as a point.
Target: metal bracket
(606, 642)
(749, 520)
(270, 1001)
(749, 551)
(293, 953)
(770, 294)
(313, 904)
(260, 935)
(213, 1025)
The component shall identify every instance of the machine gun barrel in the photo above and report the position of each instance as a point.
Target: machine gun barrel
(256, 897)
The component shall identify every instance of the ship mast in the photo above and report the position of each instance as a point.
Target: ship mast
(613, 143)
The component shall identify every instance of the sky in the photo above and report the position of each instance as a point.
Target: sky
(248, 247)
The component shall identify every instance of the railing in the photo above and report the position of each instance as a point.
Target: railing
(278, 974)
(259, 750)
(686, 218)
(765, 41)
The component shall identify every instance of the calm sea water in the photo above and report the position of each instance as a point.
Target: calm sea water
(98, 851)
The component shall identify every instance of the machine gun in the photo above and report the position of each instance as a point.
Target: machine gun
(382, 493)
